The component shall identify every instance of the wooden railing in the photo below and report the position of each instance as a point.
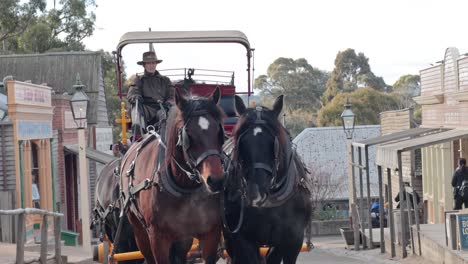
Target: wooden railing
(21, 232)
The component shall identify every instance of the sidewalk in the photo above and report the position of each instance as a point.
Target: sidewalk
(75, 255)
(335, 245)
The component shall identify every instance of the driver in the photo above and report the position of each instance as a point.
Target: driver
(153, 92)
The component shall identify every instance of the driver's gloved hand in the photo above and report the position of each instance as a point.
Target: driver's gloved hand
(133, 99)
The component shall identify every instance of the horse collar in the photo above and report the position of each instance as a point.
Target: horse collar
(168, 184)
(286, 187)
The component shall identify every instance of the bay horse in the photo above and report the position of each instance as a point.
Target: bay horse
(266, 199)
(172, 188)
(107, 211)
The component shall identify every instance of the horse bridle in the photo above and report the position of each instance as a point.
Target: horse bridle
(256, 165)
(262, 165)
(184, 142)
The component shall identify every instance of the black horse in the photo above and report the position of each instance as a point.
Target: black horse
(267, 192)
(107, 211)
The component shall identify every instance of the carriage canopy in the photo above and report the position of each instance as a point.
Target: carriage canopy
(212, 36)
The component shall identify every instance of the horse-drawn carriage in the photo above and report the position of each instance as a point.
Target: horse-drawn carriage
(180, 184)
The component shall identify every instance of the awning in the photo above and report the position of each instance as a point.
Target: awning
(92, 154)
(387, 155)
(409, 133)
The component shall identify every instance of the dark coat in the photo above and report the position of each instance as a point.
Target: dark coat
(151, 89)
(459, 176)
(408, 192)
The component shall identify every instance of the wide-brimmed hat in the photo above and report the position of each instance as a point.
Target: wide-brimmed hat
(149, 56)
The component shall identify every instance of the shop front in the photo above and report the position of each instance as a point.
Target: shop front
(30, 112)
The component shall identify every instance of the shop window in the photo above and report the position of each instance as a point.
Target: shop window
(36, 181)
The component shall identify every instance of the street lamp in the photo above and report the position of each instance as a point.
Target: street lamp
(79, 106)
(348, 120)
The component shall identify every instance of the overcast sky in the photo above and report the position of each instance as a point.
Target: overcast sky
(398, 37)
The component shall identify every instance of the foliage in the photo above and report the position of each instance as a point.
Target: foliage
(112, 92)
(301, 84)
(417, 115)
(407, 87)
(15, 17)
(31, 28)
(366, 104)
(351, 71)
(328, 213)
(325, 187)
(297, 121)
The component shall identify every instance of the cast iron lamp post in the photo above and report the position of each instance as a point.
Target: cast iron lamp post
(348, 119)
(79, 106)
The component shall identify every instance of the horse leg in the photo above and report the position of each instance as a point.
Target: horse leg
(160, 246)
(241, 250)
(274, 256)
(179, 250)
(209, 243)
(141, 238)
(291, 251)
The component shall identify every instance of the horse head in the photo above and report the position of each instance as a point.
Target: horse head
(261, 144)
(197, 140)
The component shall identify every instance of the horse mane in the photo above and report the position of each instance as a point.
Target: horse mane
(177, 116)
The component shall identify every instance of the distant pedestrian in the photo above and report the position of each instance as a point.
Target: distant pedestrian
(409, 192)
(460, 185)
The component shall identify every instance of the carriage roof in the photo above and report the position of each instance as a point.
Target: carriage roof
(212, 36)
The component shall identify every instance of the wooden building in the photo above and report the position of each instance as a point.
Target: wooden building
(444, 100)
(396, 121)
(58, 71)
(27, 137)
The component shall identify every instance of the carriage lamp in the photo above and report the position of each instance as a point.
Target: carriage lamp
(348, 120)
(79, 106)
(79, 103)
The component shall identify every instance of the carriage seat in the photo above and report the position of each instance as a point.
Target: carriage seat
(228, 104)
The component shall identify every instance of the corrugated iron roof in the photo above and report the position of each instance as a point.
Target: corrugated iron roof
(409, 133)
(387, 155)
(92, 154)
(58, 70)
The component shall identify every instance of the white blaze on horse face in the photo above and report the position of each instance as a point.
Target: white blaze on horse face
(257, 130)
(203, 123)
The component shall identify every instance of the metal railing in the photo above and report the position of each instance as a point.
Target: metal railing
(21, 232)
(201, 75)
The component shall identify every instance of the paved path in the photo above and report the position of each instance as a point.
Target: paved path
(75, 255)
(328, 249)
(331, 250)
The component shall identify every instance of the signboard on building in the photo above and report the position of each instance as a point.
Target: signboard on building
(32, 94)
(28, 129)
(104, 139)
(462, 224)
(103, 142)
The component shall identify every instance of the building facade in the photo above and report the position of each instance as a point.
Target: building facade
(27, 155)
(444, 101)
(59, 72)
